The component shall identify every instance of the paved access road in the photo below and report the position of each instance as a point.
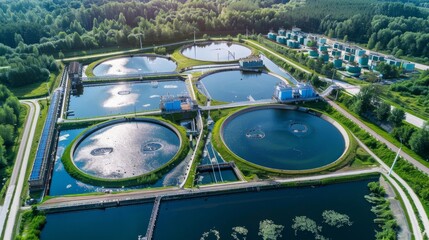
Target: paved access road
(411, 214)
(13, 195)
(147, 194)
(410, 159)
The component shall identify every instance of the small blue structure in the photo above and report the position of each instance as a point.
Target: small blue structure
(282, 32)
(323, 48)
(177, 103)
(301, 39)
(394, 62)
(408, 66)
(306, 91)
(349, 57)
(283, 92)
(338, 46)
(322, 40)
(363, 61)
(292, 43)
(281, 40)
(313, 53)
(360, 52)
(375, 57)
(338, 63)
(353, 70)
(272, 36)
(325, 56)
(286, 93)
(251, 62)
(349, 49)
(336, 53)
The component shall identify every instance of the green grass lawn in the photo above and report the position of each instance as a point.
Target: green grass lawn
(39, 89)
(184, 62)
(409, 104)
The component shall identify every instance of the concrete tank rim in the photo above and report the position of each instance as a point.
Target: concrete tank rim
(212, 41)
(337, 125)
(102, 125)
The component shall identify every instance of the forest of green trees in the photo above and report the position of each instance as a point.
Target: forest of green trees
(9, 122)
(33, 30)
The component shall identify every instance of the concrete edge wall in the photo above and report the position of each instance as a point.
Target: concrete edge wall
(338, 126)
(116, 121)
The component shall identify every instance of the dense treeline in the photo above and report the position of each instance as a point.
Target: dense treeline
(26, 67)
(63, 25)
(33, 28)
(399, 29)
(9, 121)
(368, 105)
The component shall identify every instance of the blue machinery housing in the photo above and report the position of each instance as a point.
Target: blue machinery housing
(41, 163)
(40, 166)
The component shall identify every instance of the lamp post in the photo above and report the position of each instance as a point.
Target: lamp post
(396, 158)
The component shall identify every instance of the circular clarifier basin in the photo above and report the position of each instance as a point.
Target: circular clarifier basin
(283, 139)
(134, 65)
(217, 51)
(238, 86)
(126, 149)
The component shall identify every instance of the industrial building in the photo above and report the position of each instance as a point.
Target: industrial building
(293, 38)
(312, 53)
(363, 61)
(284, 92)
(251, 62)
(177, 103)
(353, 69)
(75, 74)
(42, 162)
(272, 36)
(338, 53)
(394, 62)
(408, 66)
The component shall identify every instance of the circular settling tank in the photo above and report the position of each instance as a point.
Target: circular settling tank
(134, 65)
(216, 51)
(126, 149)
(283, 139)
(238, 86)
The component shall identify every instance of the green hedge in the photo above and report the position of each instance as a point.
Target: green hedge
(148, 178)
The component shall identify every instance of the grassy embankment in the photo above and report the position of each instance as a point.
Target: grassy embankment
(31, 224)
(407, 103)
(39, 89)
(147, 178)
(197, 159)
